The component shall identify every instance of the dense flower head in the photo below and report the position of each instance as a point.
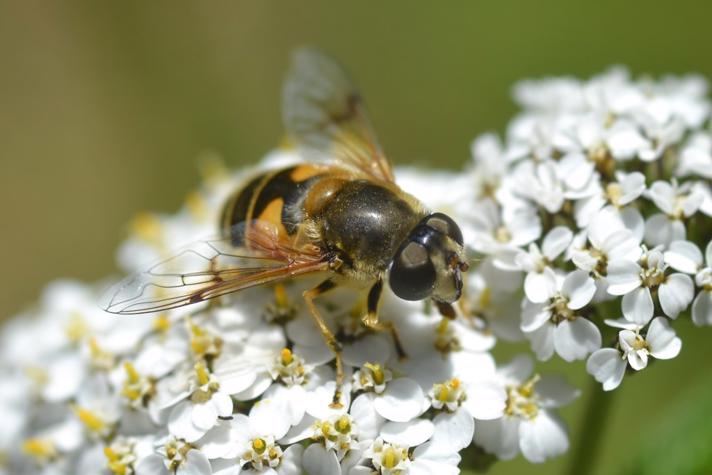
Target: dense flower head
(588, 225)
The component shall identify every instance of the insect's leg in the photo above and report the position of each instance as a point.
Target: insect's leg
(446, 310)
(371, 317)
(329, 337)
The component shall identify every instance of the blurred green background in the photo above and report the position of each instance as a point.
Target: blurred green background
(104, 107)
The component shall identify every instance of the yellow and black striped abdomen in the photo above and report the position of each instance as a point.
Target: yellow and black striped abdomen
(275, 197)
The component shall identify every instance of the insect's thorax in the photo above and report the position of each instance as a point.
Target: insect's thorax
(366, 222)
(361, 221)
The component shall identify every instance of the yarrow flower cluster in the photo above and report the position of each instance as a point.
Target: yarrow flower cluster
(595, 206)
(601, 198)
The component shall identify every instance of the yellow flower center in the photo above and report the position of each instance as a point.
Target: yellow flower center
(259, 445)
(90, 419)
(286, 356)
(521, 400)
(40, 449)
(196, 206)
(77, 328)
(148, 228)
(162, 323)
(203, 343)
(502, 234)
(343, 424)
(114, 462)
(377, 373)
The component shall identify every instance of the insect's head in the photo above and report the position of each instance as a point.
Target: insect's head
(430, 261)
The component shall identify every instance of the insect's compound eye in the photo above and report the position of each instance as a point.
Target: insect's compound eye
(444, 223)
(412, 275)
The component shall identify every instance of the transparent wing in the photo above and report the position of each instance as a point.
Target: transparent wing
(324, 113)
(211, 268)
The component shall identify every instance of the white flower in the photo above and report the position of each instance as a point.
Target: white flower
(620, 193)
(636, 281)
(490, 165)
(555, 325)
(686, 257)
(676, 203)
(398, 400)
(529, 424)
(608, 365)
(174, 457)
(536, 261)
(500, 236)
(204, 402)
(696, 157)
(610, 242)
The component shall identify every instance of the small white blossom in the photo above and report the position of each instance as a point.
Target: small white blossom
(636, 281)
(608, 365)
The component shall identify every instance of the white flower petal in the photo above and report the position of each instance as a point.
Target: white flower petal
(556, 242)
(575, 339)
(607, 367)
(554, 391)
(534, 316)
(499, 437)
(372, 349)
(622, 245)
(638, 306)
(664, 344)
(204, 415)
(369, 421)
(267, 418)
(539, 287)
(426, 466)
(675, 294)
(452, 432)
(319, 461)
(622, 323)
(320, 400)
(180, 423)
(485, 400)
(292, 461)
(235, 375)
(408, 434)
(632, 186)
(579, 288)
(401, 401)
(702, 308)
(151, 465)
(623, 277)
(217, 443)
(517, 370)
(542, 341)
(196, 463)
(262, 381)
(683, 256)
(542, 438)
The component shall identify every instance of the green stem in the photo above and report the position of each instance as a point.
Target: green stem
(585, 455)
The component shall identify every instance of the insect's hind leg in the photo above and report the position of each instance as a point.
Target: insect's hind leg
(371, 318)
(328, 335)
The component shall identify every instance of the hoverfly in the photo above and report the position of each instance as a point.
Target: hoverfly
(341, 214)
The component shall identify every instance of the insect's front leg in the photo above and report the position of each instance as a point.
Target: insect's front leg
(446, 310)
(328, 335)
(371, 318)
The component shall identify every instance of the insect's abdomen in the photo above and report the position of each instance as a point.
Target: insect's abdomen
(275, 197)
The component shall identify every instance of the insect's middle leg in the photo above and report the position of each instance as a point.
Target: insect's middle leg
(328, 335)
(371, 318)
